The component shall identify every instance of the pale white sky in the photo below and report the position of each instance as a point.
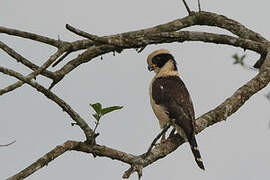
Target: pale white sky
(235, 149)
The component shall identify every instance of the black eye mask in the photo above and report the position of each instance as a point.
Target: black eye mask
(161, 59)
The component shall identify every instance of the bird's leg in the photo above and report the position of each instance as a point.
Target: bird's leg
(172, 132)
(163, 138)
(162, 133)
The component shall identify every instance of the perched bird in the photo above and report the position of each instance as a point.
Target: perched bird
(170, 99)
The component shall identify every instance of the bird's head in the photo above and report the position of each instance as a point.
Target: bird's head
(161, 59)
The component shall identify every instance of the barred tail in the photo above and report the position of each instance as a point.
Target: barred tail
(195, 151)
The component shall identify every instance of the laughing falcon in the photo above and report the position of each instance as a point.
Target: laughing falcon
(170, 99)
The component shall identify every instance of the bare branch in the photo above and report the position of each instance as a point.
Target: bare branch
(35, 73)
(138, 39)
(99, 40)
(154, 38)
(212, 19)
(199, 6)
(61, 58)
(183, 36)
(25, 61)
(50, 95)
(232, 104)
(44, 160)
(4, 145)
(32, 36)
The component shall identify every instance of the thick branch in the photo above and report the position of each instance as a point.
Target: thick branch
(183, 36)
(156, 38)
(128, 39)
(141, 38)
(212, 19)
(238, 99)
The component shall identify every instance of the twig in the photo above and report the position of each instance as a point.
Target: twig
(4, 145)
(187, 8)
(100, 40)
(199, 5)
(157, 138)
(61, 58)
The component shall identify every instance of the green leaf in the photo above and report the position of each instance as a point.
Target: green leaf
(97, 107)
(238, 59)
(110, 109)
(96, 116)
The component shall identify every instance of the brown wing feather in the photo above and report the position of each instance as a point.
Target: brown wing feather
(171, 92)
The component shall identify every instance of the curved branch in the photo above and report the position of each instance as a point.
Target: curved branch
(128, 39)
(32, 36)
(213, 19)
(141, 38)
(155, 38)
(183, 36)
(4, 145)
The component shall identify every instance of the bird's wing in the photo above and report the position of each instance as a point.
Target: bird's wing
(172, 94)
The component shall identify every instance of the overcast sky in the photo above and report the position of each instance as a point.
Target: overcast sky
(235, 149)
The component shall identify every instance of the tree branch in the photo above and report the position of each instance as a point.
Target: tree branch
(44, 160)
(137, 39)
(32, 36)
(183, 36)
(24, 61)
(35, 73)
(127, 40)
(213, 19)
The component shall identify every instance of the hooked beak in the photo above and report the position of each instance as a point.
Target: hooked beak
(150, 68)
